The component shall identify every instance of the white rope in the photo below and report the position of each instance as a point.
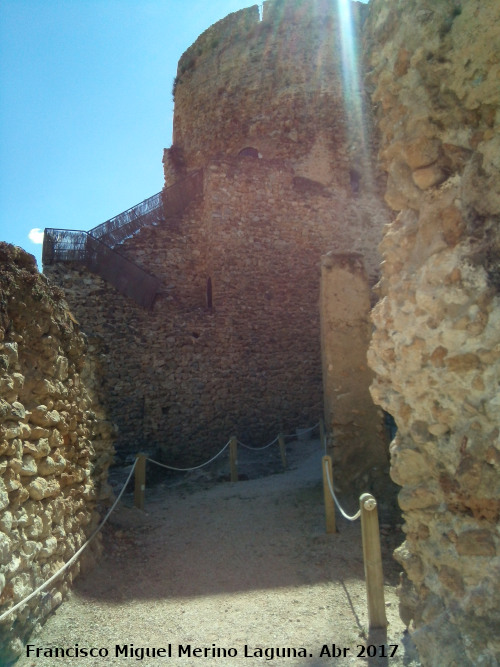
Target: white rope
(258, 449)
(74, 557)
(163, 465)
(346, 516)
(305, 430)
(289, 435)
(84, 546)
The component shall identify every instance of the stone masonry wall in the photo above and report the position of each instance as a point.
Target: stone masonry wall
(182, 377)
(275, 85)
(54, 450)
(359, 439)
(434, 72)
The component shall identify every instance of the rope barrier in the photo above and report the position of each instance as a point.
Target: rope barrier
(255, 449)
(330, 486)
(91, 538)
(303, 431)
(74, 557)
(258, 449)
(140, 477)
(163, 465)
(279, 438)
(285, 435)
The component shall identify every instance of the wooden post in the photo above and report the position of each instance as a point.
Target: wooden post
(281, 441)
(233, 458)
(140, 481)
(373, 562)
(326, 463)
(322, 434)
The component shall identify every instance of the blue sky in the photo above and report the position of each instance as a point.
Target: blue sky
(86, 105)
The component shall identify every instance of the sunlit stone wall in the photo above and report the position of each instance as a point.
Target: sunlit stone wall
(55, 447)
(360, 439)
(183, 377)
(275, 85)
(434, 75)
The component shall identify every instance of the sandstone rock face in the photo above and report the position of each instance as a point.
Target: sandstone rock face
(53, 457)
(434, 73)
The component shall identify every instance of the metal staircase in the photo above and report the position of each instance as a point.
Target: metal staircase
(97, 248)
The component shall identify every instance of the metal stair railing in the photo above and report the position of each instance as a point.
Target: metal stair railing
(152, 211)
(95, 249)
(127, 277)
(63, 245)
(122, 226)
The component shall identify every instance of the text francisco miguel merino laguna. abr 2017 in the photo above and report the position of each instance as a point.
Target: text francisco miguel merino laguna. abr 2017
(212, 651)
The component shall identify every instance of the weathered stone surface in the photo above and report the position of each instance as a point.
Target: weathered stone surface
(476, 543)
(356, 425)
(434, 351)
(184, 376)
(39, 390)
(426, 177)
(304, 123)
(432, 72)
(422, 151)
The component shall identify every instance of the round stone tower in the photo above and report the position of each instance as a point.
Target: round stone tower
(269, 86)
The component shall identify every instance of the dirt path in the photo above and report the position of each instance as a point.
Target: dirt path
(220, 567)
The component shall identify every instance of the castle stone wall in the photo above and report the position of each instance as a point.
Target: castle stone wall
(55, 447)
(360, 442)
(434, 70)
(275, 85)
(183, 377)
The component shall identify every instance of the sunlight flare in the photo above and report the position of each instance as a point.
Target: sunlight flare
(351, 81)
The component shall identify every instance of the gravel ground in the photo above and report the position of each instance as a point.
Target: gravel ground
(228, 574)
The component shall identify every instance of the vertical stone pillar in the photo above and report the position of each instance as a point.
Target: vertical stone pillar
(355, 424)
